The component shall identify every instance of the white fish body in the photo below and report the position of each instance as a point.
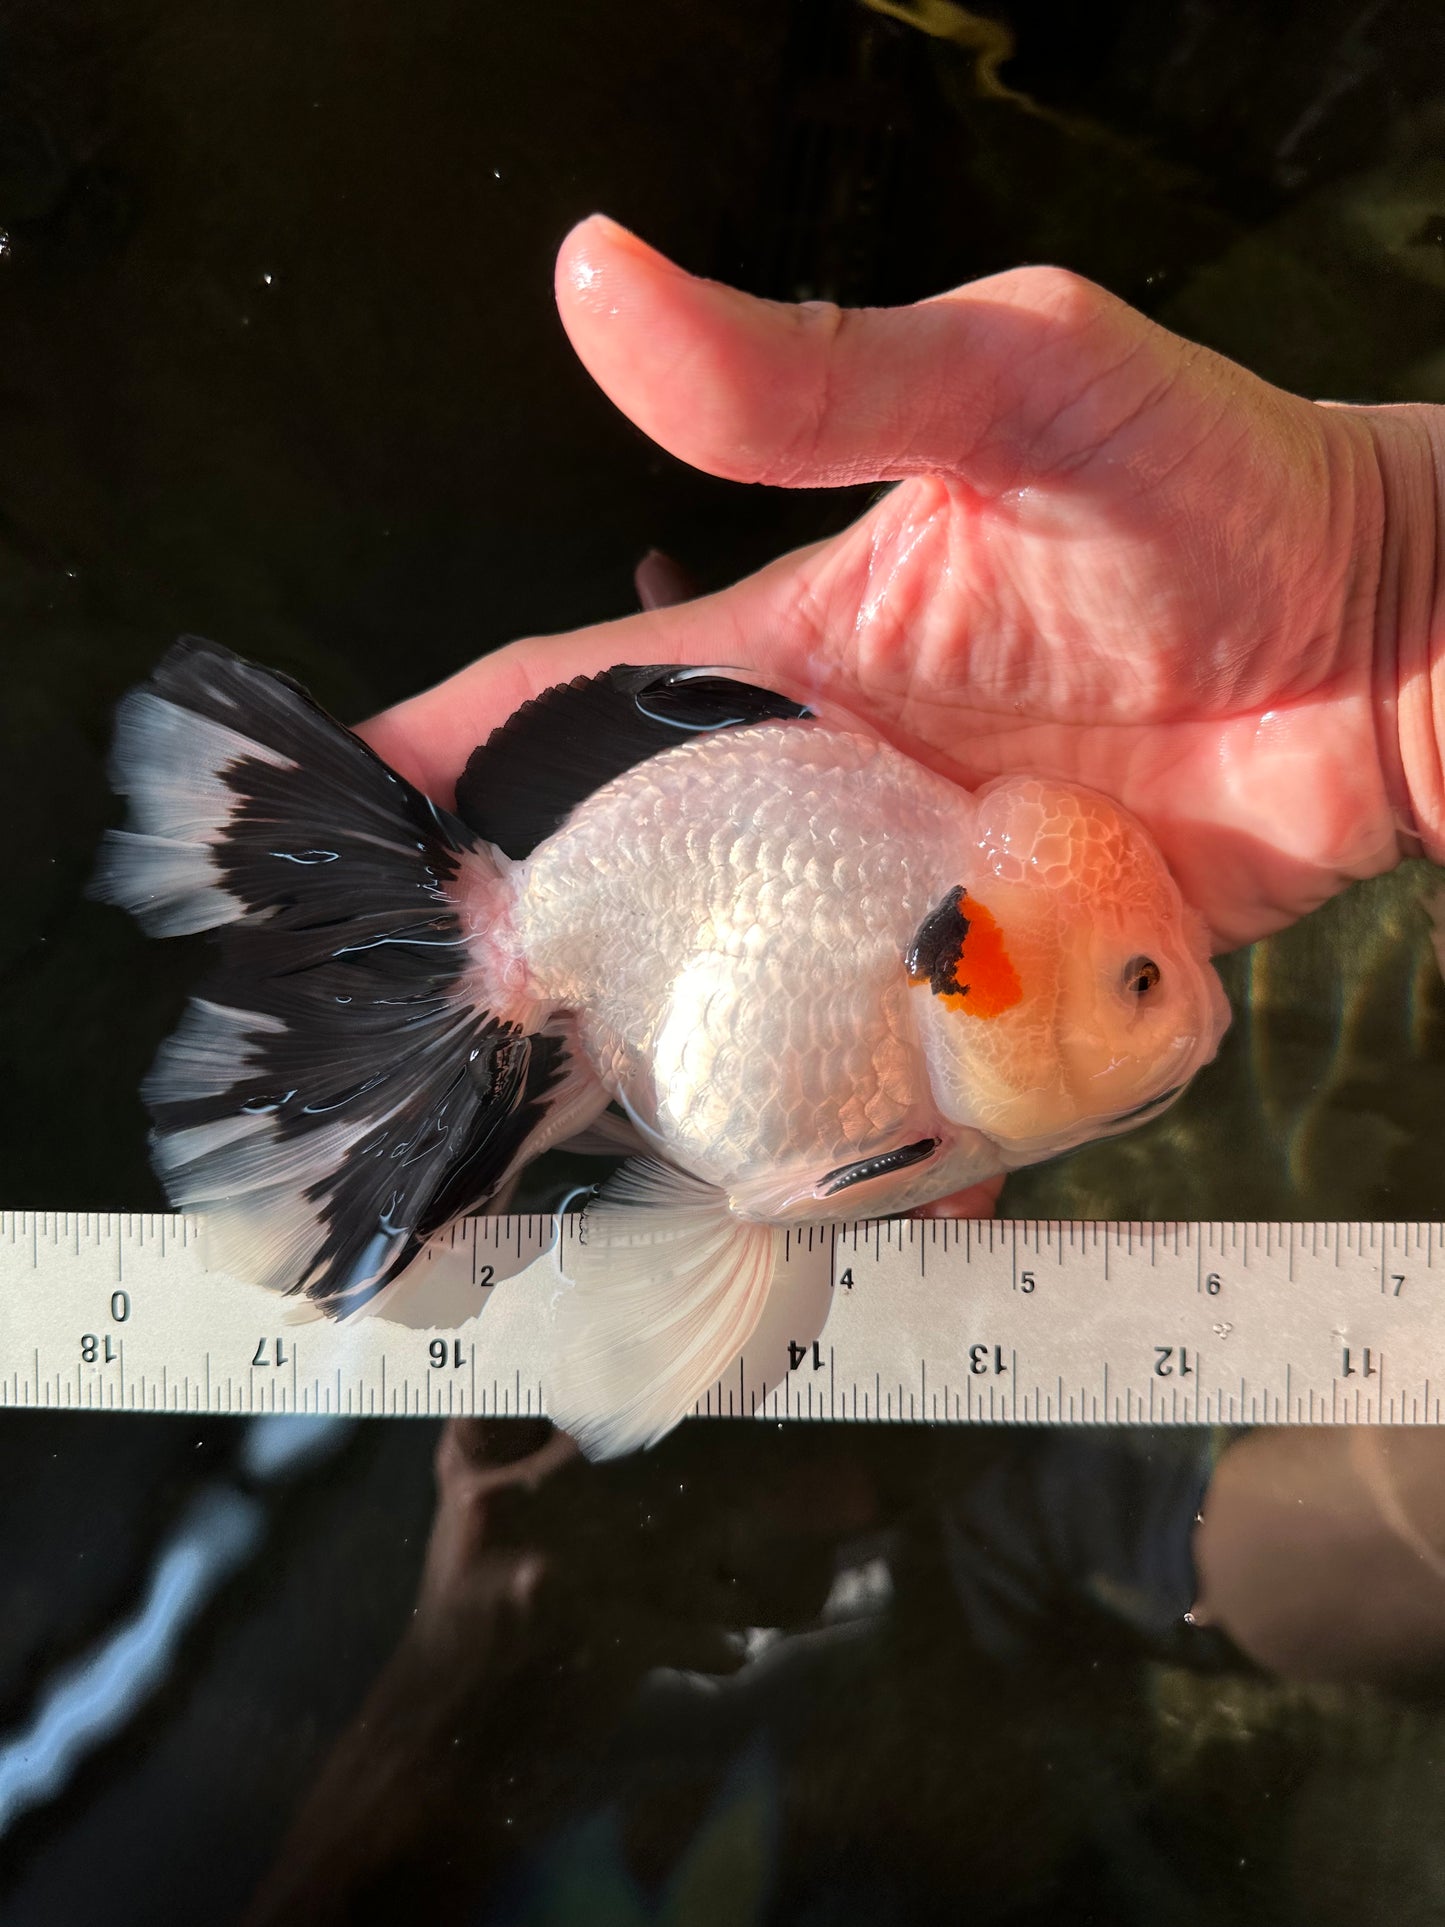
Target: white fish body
(819, 978)
(731, 923)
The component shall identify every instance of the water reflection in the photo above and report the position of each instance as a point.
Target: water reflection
(94, 1701)
(91, 1702)
(755, 1669)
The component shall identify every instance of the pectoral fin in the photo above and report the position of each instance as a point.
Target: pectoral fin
(891, 1179)
(886, 1164)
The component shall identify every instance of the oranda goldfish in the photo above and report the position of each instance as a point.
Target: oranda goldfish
(818, 978)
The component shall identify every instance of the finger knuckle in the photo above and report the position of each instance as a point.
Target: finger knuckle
(1068, 297)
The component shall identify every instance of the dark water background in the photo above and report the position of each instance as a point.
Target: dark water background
(279, 365)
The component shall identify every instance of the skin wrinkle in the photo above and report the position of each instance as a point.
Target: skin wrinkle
(1403, 575)
(1078, 307)
(1186, 450)
(1217, 437)
(1085, 454)
(924, 419)
(883, 610)
(1432, 650)
(894, 638)
(962, 392)
(1092, 674)
(822, 324)
(1019, 444)
(1336, 572)
(807, 613)
(1022, 638)
(966, 363)
(947, 642)
(846, 590)
(1368, 589)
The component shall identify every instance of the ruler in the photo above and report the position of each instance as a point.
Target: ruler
(933, 1320)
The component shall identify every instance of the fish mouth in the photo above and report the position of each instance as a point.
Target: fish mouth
(1149, 1109)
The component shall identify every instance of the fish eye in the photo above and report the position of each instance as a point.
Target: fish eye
(1141, 974)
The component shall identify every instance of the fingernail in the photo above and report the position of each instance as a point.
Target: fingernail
(601, 228)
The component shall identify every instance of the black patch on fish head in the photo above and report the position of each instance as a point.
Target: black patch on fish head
(937, 948)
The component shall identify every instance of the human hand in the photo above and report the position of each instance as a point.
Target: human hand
(1112, 557)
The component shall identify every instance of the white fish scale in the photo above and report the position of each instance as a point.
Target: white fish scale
(731, 918)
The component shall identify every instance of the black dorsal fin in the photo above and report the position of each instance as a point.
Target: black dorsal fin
(560, 748)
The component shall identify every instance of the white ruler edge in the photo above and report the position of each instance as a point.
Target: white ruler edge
(939, 1320)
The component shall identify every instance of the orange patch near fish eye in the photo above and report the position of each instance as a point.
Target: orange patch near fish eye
(960, 954)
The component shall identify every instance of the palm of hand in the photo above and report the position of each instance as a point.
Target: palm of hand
(1181, 644)
(1112, 557)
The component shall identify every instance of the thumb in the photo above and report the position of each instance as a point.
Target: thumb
(993, 384)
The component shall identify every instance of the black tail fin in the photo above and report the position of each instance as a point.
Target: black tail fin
(331, 1098)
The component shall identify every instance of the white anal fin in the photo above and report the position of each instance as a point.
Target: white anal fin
(663, 1289)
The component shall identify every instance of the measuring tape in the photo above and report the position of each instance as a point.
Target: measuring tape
(940, 1320)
